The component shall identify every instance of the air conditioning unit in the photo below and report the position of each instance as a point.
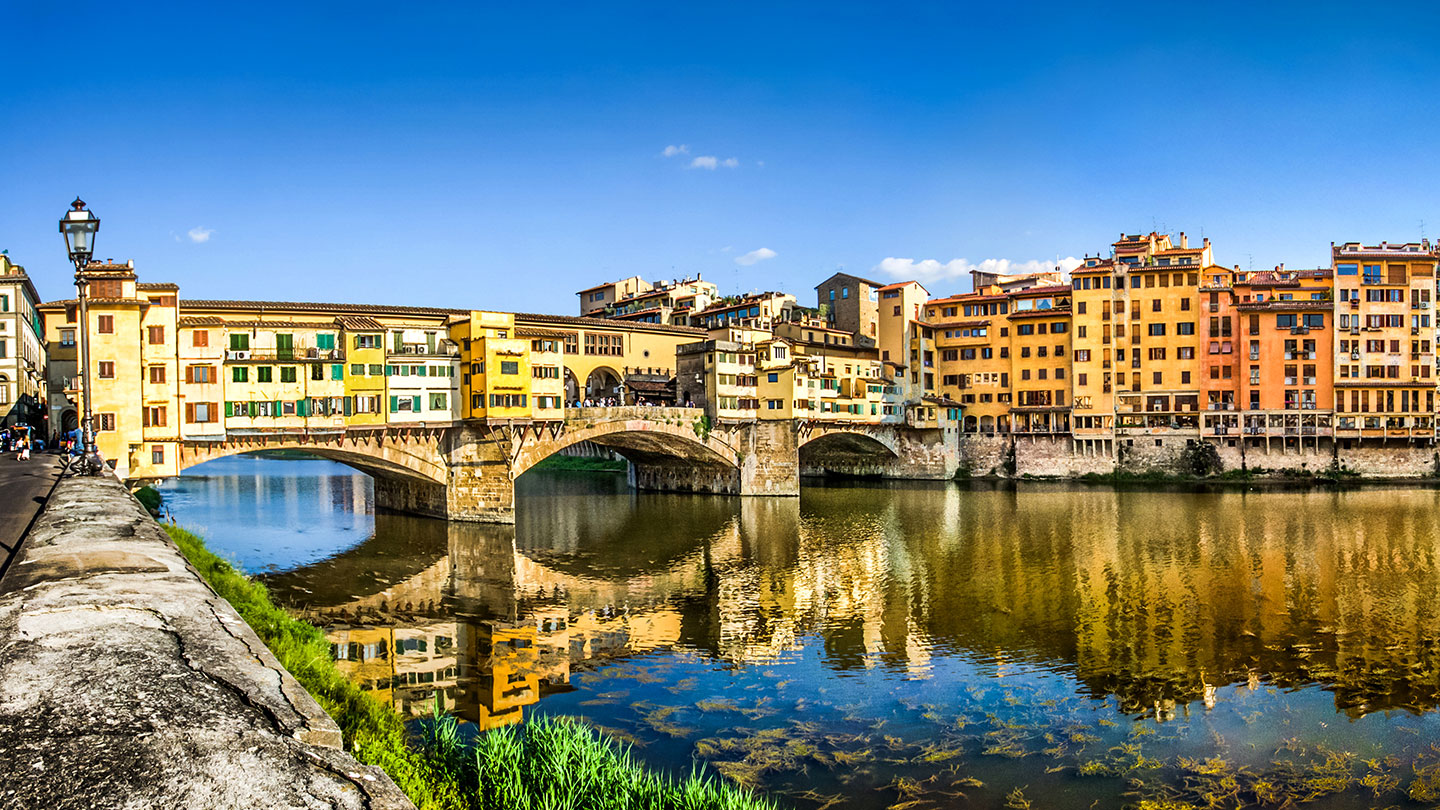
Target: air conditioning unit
(1424, 304)
(237, 355)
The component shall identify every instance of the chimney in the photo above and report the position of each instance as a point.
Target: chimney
(1184, 242)
(1207, 241)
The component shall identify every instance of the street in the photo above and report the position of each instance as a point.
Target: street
(24, 485)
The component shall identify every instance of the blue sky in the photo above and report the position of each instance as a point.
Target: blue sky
(505, 158)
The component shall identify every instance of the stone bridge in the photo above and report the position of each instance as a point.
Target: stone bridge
(467, 471)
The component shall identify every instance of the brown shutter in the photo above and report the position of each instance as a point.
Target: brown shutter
(189, 374)
(214, 416)
(145, 417)
(189, 412)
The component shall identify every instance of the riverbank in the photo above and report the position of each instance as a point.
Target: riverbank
(125, 681)
(542, 764)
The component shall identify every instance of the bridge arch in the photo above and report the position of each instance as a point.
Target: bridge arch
(666, 439)
(413, 455)
(849, 442)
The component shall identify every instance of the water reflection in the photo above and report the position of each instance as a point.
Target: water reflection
(859, 637)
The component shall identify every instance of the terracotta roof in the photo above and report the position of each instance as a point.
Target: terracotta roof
(1055, 288)
(530, 331)
(360, 323)
(201, 321)
(596, 287)
(944, 402)
(156, 285)
(1179, 251)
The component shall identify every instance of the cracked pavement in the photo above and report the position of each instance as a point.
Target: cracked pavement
(125, 682)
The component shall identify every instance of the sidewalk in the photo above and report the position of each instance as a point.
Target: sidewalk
(126, 682)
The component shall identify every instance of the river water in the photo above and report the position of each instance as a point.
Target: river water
(877, 645)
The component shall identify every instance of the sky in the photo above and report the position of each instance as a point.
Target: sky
(505, 156)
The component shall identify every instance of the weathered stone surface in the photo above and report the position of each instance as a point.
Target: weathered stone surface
(126, 682)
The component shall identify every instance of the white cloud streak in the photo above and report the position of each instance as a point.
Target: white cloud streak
(755, 256)
(704, 162)
(199, 234)
(933, 270)
(673, 150)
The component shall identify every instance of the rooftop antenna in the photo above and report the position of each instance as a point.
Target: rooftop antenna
(1422, 230)
(1251, 257)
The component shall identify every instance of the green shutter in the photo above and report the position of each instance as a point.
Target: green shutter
(349, 407)
(276, 406)
(337, 371)
(430, 342)
(229, 409)
(300, 408)
(394, 404)
(399, 341)
(420, 370)
(415, 403)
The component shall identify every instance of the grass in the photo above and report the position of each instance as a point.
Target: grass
(548, 763)
(581, 464)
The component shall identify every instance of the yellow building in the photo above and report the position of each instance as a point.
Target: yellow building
(171, 370)
(1039, 323)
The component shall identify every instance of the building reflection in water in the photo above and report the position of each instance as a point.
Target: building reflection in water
(1155, 598)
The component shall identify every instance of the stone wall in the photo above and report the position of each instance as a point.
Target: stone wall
(126, 682)
(985, 455)
(1055, 457)
(1392, 459)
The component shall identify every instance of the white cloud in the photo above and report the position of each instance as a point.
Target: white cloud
(755, 256)
(704, 162)
(199, 234)
(673, 150)
(932, 270)
(730, 163)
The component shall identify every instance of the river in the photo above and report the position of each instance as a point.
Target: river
(866, 646)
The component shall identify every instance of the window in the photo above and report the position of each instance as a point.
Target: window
(67, 338)
(604, 345)
(107, 370)
(438, 402)
(287, 374)
(1315, 320)
(156, 335)
(264, 374)
(106, 324)
(157, 375)
(1185, 328)
(376, 370)
(325, 341)
(104, 421)
(337, 371)
(239, 342)
(367, 341)
(153, 416)
(200, 374)
(201, 412)
(509, 367)
(200, 337)
(157, 454)
(1285, 320)
(239, 374)
(1157, 330)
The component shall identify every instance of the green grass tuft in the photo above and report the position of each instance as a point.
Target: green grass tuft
(546, 763)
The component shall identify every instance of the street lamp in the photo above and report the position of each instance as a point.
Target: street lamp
(79, 227)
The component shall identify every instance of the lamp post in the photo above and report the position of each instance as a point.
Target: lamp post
(79, 227)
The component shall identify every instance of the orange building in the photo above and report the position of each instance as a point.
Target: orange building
(1385, 336)
(1267, 372)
